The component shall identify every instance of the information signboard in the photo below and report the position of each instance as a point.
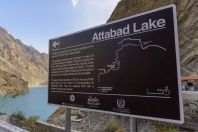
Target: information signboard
(128, 67)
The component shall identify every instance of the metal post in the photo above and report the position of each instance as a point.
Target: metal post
(133, 124)
(67, 119)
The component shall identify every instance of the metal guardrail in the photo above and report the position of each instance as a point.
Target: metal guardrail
(10, 128)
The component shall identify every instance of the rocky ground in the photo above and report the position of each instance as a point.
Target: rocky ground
(191, 115)
(100, 122)
(90, 121)
(29, 124)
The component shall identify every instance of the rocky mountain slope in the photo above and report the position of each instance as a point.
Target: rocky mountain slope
(10, 84)
(187, 12)
(22, 61)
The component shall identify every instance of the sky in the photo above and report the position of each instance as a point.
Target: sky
(34, 22)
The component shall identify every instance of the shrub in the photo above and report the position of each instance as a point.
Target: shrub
(76, 113)
(120, 130)
(32, 119)
(19, 115)
(112, 125)
(164, 127)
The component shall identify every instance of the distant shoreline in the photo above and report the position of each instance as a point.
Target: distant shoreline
(36, 86)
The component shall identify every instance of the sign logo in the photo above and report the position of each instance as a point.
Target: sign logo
(166, 91)
(72, 98)
(93, 101)
(121, 103)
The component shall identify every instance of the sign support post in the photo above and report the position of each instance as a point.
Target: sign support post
(133, 124)
(67, 119)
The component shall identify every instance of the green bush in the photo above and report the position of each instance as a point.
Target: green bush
(18, 119)
(164, 127)
(19, 115)
(32, 119)
(76, 113)
(112, 125)
(120, 130)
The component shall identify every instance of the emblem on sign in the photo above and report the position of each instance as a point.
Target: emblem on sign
(72, 98)
(121, 103)
(93, 101)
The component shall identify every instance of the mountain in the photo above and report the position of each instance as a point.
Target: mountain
(22, 61)
(187, 12)
(11, 84)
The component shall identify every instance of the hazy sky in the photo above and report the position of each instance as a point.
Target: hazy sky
(36, 21)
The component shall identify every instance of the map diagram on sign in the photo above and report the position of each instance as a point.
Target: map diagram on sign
(115, 65)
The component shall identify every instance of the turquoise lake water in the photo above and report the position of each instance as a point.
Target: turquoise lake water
(31, 104)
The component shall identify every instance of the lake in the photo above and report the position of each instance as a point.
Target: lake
(33, 103)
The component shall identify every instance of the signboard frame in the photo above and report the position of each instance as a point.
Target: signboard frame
(178, 70)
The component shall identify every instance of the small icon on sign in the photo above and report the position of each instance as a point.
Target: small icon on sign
(55, 44)
(93, 101)
(120, 103)
(72, 98)
(166, 91)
